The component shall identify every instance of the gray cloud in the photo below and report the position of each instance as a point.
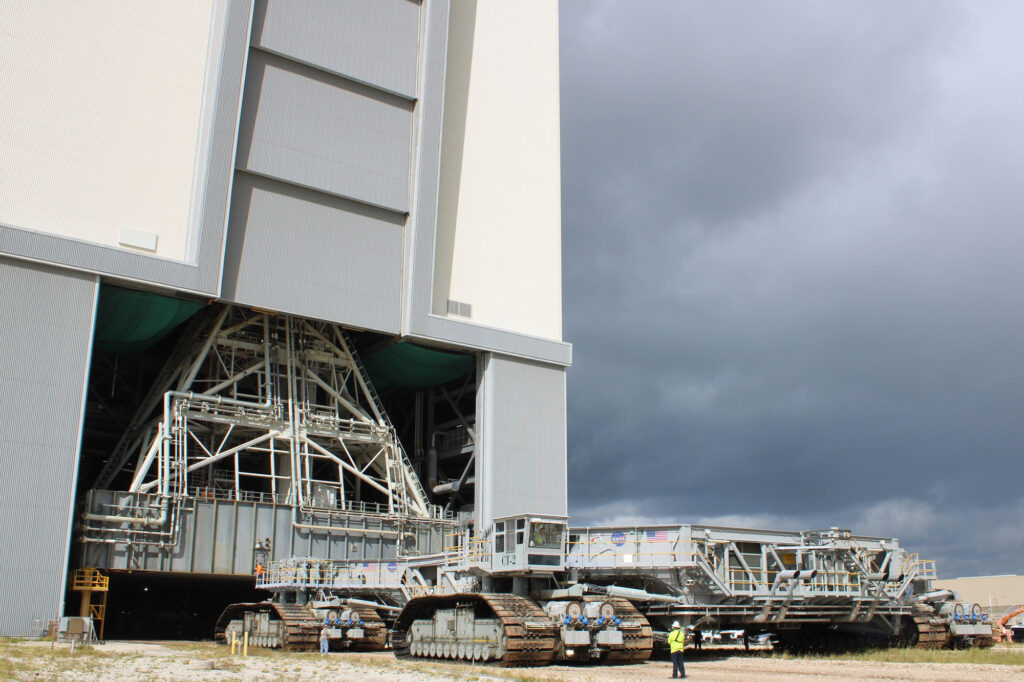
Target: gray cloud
(792, 234)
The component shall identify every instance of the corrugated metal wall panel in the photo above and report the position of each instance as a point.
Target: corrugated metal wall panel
(46, 332)
(372, 41)
(319, 546)
(313, 129)
(223, 539)
(180, 559)
(245, 527)
(306, 253)
(283, 538)
(520, 470)
(202, 552)
(219, 536)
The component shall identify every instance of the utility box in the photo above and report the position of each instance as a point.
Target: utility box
(77, 626)
(76, 629)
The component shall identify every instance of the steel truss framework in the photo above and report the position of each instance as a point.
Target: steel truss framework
(282, 406)
(845, 579)
(724, 575)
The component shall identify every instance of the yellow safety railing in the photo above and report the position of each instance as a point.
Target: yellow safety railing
(414, 588)
(823, 581)
(458, 549)
(831, 577)
(327, 574)
(922, 568)
(735, 578)
(710, 556)
(89, 580)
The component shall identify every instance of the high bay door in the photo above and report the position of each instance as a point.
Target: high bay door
(274, 413)
(270, 397)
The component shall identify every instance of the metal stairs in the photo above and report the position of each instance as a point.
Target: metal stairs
(404, 468)
(189, 345)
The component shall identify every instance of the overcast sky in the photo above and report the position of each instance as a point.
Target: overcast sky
(793, 236)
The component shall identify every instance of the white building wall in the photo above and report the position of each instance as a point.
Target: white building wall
(101, 119)
(521, 439)
(498, 245)
(44, 369)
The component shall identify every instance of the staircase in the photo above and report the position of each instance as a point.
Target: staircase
(187, 347)
(403, 467)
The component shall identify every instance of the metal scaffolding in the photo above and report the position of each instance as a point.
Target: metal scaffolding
(273, 404)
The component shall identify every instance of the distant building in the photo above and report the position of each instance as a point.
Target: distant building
(996, 594)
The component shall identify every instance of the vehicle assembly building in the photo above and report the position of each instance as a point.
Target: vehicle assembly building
(264, 207)
(283, 352)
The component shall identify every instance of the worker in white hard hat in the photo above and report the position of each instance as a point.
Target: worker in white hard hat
(324, 639)
(676, 645)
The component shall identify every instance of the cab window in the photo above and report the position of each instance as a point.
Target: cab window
(546, 535)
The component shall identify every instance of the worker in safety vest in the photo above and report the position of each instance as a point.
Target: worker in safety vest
(676, 644)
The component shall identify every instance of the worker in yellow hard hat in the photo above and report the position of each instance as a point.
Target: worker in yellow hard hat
(676, 645)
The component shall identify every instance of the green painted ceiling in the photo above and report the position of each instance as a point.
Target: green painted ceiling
(406, 365)
(131, 321)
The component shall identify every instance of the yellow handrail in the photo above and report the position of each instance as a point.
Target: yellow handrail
(89, 579)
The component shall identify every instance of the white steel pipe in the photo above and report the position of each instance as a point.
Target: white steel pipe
(372, 604)
(631, 593)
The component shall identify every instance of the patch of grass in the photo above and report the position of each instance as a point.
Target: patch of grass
(228, 664)
(190, 646)
(9, 668)
(27, 660)
(276, 654)
(206, 650)
(994, 656)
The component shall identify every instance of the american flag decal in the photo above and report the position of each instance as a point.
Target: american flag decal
(657, 535)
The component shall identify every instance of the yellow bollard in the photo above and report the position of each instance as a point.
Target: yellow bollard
(233, 642)
(245, 644)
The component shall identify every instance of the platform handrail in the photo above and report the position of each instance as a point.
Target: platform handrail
(89, 579)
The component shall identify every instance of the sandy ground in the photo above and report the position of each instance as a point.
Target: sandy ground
(738, 668)
(203, 661)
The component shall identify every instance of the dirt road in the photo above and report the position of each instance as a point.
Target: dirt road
(738, 669)
(204, 661)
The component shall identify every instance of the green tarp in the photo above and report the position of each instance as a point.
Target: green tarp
(406, 365)
(131, 321)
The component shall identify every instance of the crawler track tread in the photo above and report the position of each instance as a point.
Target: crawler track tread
(932, 632)
(637, 641)
(376, 630)
(301, 628)
(529, 632)
(985, 642)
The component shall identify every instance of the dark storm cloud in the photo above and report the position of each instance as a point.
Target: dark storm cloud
(792, 244)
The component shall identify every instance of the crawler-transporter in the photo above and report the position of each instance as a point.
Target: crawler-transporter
(267, 428)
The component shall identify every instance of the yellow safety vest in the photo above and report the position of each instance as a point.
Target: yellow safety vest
(676, 641)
